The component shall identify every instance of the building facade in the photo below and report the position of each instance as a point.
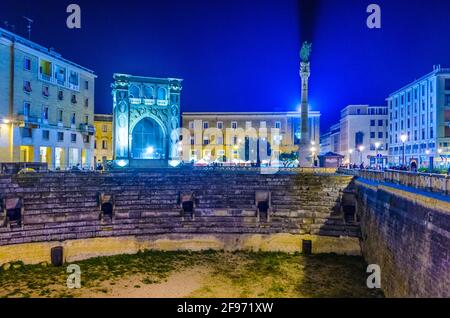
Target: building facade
(361, 135)
(46, 106)
(229, 137)
(331, 140)
(419, 116)
(103, 143)
(146, 120)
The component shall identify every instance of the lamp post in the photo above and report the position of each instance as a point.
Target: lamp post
(361, 149)
(350, 151)
(427, 152)
(404, 138)
(377, 145)
(313, 151)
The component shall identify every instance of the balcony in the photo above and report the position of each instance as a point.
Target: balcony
(87, 129)
(135, 101)
(149, 102)
(163, 102)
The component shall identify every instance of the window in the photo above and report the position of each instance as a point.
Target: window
(73, 137)
(27, 87)
(104, 144)
(372, 122)
(262, 124)
(447, 99)
(95, 144)
(60, 136)
(447, 84)
(431, 132)
(86, 102)
(45, 134)
(380, 122)
(104, 128)
(72, 119)
(45, 113)
(192, 140)
(205, 125)
(73, 79)
(248, 124)
(359, 139)
(60, 95)
(74, 99)
(278, 124)
(205, 141)
(219, 140)
(26, 108)
(234, 124)
(220, 125)
(86, 85)
(191, 125)
(45, 91)
(372, 134)
(86, 139)
(161, 93)
(86, 119)
(27, 64)
(380, 135)
(60, 115)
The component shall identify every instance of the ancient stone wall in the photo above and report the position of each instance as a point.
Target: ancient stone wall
(407, 233)
(61, 206)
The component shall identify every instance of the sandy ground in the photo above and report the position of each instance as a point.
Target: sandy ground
(177, 285)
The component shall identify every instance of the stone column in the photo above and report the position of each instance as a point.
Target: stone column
(304, 154)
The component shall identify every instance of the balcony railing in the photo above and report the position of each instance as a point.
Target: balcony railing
(86, 128)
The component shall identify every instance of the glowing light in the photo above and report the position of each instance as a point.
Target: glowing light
(313, 149)
(377, 145)
(6, 121)
(403, 138)
(121, 163)
(313, 142)
(350, 151)
(174, 163)
(149, 150)
(439, 150)
(427, 152)
(361, 148)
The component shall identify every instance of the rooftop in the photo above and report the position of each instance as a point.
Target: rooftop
(49, 51)
(437, 69)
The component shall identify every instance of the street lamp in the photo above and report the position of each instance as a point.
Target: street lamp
(404, 138)
(313, 150)
(377, 145)
(350, 151)
(361, 149)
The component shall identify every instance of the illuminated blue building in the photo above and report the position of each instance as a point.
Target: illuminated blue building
(146, 118)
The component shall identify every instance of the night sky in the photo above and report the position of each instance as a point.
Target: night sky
(242, 55)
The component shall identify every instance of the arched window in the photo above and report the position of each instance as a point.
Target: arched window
(162, 93)
(134, 91)
(148, 92)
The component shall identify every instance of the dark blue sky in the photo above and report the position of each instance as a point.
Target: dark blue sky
(242, 55)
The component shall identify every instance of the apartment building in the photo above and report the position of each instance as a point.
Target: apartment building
(223, 135)
(361, 135)
(46, 106)
(419, 125)
(103, 143)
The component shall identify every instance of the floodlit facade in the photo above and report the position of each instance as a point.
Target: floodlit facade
(146, 120)
(361, 135)
(103, 144)
(419, 114)
(236, 136)
(46, 106)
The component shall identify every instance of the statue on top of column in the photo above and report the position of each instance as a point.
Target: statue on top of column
(305, 51)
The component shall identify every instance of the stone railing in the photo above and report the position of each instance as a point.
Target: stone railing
(427, 181)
